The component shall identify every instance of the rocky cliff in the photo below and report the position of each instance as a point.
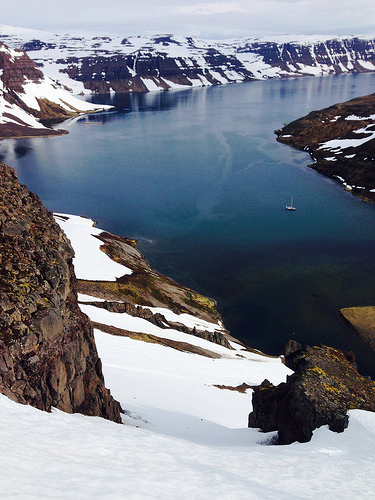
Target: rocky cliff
(325, 385)
(140, 63)
(48, 356)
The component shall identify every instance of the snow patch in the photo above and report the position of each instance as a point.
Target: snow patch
(89, 262)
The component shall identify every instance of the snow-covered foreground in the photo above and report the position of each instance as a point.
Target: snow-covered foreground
(70, 456)
(173, 392)
(182, 438)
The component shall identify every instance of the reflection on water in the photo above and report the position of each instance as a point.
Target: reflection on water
(199, 178)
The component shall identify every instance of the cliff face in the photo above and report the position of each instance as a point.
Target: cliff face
(336, 55)
(47, 350)
(153, 70)
(17, 66)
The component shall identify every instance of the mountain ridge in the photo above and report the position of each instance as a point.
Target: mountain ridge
(109, 63)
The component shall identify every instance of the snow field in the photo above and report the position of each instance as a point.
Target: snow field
(154, 381)
(71, 456)
(186, 319)
(47, 89)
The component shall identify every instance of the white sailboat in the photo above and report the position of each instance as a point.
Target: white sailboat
(290, 207)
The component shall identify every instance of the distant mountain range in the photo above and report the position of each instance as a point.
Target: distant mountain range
(140, 63)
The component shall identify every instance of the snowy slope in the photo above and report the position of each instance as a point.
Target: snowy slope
(27, 96)
(69, 456)
(184, 438)
(140, 63)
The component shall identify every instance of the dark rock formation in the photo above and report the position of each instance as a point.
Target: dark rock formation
(212, 64)
(129, 73)
(48, 355)
(325, 385)
(340, 55)
(16, 69)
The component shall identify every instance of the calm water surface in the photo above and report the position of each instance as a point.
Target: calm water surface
(198, 177)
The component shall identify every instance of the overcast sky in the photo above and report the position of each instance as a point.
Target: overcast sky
(212, 19)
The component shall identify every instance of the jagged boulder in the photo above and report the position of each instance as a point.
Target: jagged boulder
(325, 385)
(48, 355)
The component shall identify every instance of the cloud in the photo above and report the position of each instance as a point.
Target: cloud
(207, 9)
(201, 18)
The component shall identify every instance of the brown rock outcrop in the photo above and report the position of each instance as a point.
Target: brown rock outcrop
(145, 286)
(16, 69)
(362, 319)
(48, 356)
(325, 385)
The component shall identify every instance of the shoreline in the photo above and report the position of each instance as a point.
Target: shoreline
(11, 130)
(38, 135)
(340, 141)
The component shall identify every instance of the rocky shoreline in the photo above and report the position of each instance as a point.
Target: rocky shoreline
(340, 140)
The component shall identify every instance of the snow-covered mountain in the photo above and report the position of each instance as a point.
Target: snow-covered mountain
(28, 98)
(141, 63)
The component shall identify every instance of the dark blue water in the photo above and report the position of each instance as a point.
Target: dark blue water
(198, 177)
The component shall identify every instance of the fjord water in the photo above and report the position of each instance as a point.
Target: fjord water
(198, 177)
